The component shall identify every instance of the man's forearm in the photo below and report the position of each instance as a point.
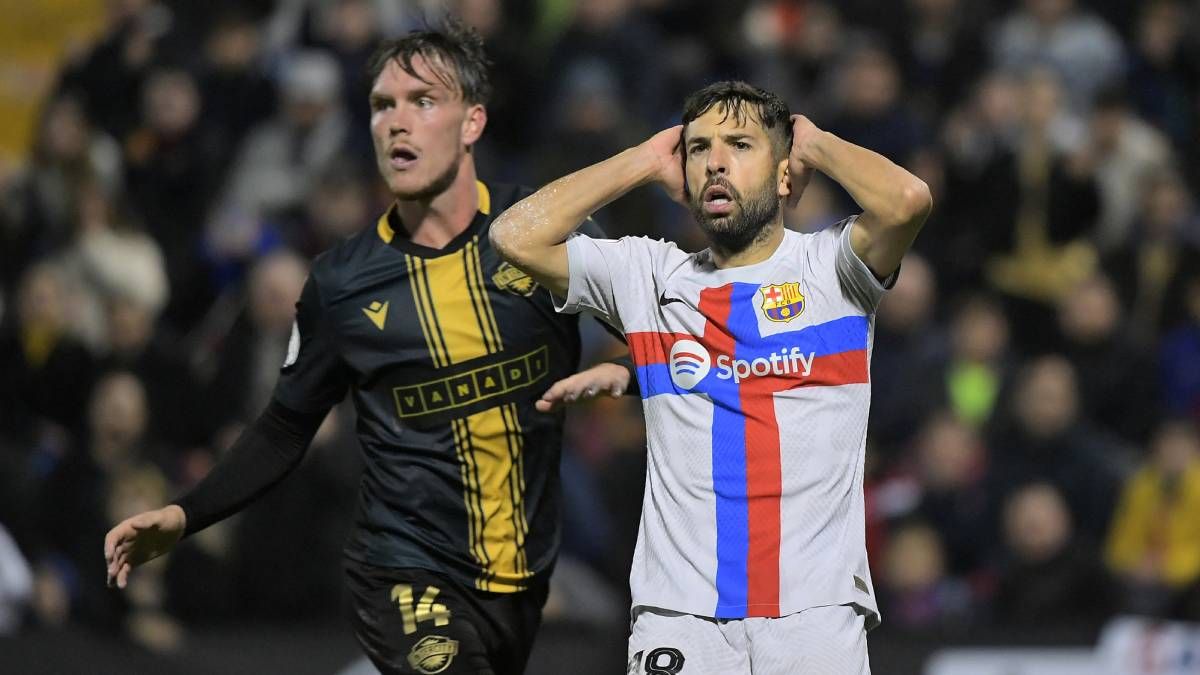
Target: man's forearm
(269, 449)
(528, 233)
(883, 189)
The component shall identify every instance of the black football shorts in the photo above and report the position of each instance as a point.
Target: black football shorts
(418, 622)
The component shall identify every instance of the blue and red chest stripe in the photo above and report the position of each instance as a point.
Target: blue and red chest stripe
(747, 470)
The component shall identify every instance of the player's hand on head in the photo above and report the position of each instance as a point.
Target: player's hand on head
(141, 538)
(605, 379)
(666, 148)
(804, 132)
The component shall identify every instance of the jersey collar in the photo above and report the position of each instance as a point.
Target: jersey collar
(392, 232)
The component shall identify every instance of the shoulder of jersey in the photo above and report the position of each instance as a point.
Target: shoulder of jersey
(504, 195)
(331, 267)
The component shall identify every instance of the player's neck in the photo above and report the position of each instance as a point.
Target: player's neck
(760, 249)
(435, 222)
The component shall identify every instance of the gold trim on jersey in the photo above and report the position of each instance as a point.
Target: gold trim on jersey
(479, 295)
(495, 449)
(386, 233)
(516, 448)
(459, 325)
(472, 497)
(422, 300)
(451, 302)
(485, 198)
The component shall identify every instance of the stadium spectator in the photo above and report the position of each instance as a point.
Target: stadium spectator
(941, 52)
(172, 170)
(279, 162)
(794, 51)
(1080, 46)
(1109, 362)
(951, 466)
(1161, 253)
(1125, 152)
(979, 363)
(1154, 544)
(871, 108)
(155, 357)
(1162, 72)
(1052, 577)
(1046, 440)
(108, 477)
(1179, 357)
(42, 201)
(334, 209)
(111, 74)
(1046, 205)
(908, 345)
(348, 30)
(236, 93)
(917, 591)
(108, 255)
(978, 139)
(248, 357)
(614, 38)
(47, 372)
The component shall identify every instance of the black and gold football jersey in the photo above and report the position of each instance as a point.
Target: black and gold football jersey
(444, 352)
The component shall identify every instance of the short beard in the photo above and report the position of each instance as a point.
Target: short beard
(439, 185)
(744, 227)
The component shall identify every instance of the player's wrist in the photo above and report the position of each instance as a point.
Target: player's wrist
(176, 516)
(647, 166)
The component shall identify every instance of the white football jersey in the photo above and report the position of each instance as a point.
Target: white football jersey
(756, 388)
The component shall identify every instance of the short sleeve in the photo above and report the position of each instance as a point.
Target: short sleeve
(857, 280)
(313, 378)
(593, 264)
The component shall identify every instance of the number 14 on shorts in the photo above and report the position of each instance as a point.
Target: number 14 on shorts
(426, 609)
(660, 661)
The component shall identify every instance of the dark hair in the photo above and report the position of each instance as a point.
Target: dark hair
(454, 52)
(743, 100)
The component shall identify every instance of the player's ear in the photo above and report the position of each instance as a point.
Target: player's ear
(473, 124)
(783, 179)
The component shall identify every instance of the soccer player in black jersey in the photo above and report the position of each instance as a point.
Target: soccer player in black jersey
(446, 351)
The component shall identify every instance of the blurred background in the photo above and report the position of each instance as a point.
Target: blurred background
(168, 168)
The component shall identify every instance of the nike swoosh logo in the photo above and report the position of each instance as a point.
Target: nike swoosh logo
(663, 300)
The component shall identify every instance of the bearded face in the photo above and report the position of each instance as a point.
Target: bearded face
(732, 178)
(733, 220)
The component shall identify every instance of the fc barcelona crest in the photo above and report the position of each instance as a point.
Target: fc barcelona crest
(782, 302)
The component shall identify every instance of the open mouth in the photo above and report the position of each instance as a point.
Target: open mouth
(717, 200)
(401, 158)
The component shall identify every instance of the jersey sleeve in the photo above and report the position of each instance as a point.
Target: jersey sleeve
(858, 282)
(599, 271)
(313, 378)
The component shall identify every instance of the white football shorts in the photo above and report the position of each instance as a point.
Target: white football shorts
(818, 641)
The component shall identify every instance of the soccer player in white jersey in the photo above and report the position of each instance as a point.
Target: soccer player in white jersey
(753, 361)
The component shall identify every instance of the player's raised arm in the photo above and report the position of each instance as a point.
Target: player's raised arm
(532, 233)
(895, 203)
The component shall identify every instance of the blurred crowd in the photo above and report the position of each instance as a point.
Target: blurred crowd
(1033, 454)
